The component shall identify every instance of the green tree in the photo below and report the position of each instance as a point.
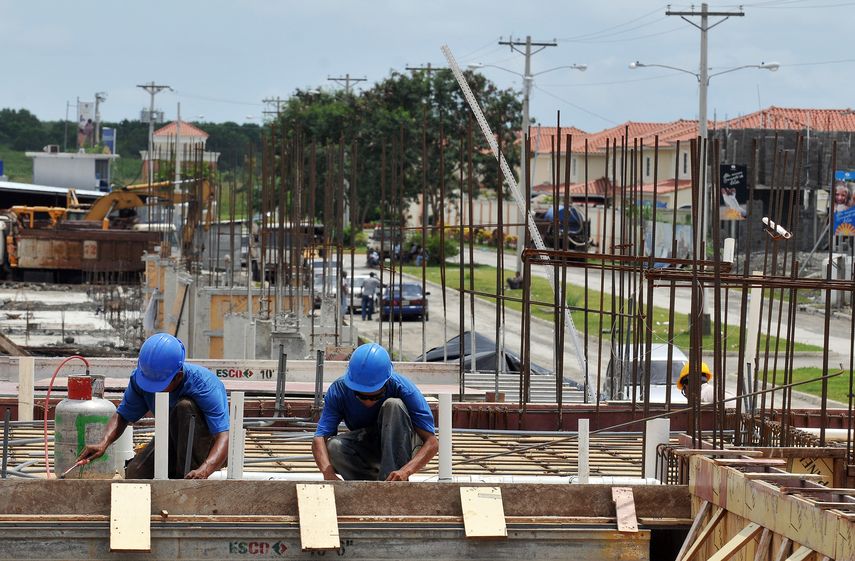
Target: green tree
(405, 116)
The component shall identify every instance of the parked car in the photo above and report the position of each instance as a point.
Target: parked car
(624, 360)
(384, 240)
(404, 301)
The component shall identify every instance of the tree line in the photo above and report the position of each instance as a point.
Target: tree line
(22, 131)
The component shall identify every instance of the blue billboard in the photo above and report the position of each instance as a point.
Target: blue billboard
(108, 139)
(843, 203)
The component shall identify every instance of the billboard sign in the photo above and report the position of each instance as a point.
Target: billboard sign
(734, 191)
(108, 139)
(85, 123)
(843, 203)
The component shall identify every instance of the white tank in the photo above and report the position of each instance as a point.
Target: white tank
(81, 420)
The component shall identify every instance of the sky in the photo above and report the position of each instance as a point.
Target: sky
(222, 58)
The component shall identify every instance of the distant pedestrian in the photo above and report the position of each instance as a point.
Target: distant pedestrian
(370, 288)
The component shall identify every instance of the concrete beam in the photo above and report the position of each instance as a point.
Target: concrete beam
(86, 497)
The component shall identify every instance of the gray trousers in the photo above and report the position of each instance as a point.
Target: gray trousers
(141, 466)
(372, 453)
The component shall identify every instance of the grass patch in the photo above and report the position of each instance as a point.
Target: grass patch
(16, 166)
(838, 387)
(485, 281)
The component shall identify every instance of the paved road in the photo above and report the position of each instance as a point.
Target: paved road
(409, 339)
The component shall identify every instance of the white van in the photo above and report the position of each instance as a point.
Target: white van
(624, 361)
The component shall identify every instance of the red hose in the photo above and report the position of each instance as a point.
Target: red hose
(47, 404)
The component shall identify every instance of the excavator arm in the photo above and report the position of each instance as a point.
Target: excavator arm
(117, 200)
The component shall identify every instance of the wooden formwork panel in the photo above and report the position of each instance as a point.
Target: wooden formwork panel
(747, 498)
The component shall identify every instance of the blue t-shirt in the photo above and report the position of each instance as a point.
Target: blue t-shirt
(199, 384)
(340, 403)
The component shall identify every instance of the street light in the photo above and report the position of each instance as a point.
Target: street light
(703, 78)
(528, 79)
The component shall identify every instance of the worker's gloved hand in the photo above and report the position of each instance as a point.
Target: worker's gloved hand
(398, 475)
(92, 452)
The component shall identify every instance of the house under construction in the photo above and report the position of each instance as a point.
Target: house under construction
(566, 452)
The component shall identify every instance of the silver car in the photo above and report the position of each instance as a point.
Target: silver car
(626, 364)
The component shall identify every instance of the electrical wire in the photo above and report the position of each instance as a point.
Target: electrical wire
(215, 99)
(614, 27)
(47, 404)
(571, 104)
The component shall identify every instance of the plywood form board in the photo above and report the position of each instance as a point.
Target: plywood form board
(761, 502)
(318, 517)
(130, 517)
(624, 509)
(483, 512)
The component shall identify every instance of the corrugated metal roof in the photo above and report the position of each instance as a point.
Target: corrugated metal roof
(44, 189)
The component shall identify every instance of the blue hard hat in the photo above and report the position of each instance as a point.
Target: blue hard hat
(161, 357)
(369, 368)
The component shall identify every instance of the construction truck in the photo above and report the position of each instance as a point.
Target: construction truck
(57, 244)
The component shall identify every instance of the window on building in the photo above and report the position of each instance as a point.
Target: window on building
(685, 162)
(573, 166)
(647, 166)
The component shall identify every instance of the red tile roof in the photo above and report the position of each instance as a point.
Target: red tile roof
(669, 133)
(783, 118)
(187, 129)
(684, 130)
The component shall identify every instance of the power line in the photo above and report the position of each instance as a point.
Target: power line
(347, 79)
(607, 29)
(575, 106)
(277, 101)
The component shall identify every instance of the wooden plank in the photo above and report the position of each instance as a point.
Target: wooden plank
(736, 543)
(831, 504)
(625, 508)
(782, 476)
(774, 462)
(703, 511)
(801, 554)
(761, 552)
(318, 518)
(483, 512)
(130, 517)
(782, 551)
(725, 452)
(708, 529)
(817, 490)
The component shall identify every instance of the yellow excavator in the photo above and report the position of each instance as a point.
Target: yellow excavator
(42, 237)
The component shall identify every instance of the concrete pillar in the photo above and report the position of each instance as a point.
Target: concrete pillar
(236, 437)
(26, 370)
(445, 438)
(161, 435)
(584, 450)
(656, 432)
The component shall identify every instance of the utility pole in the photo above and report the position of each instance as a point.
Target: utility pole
(277, 101)
(99, 97)
(347, 79)
(703, 86)
(527, 80)
(152, 89)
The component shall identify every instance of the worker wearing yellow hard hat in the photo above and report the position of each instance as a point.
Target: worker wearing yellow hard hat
(707, 391)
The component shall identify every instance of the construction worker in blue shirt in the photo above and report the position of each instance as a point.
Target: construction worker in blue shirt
(194, 392)
(390, 426)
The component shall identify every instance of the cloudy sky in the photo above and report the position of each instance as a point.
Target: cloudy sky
(223, 57)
